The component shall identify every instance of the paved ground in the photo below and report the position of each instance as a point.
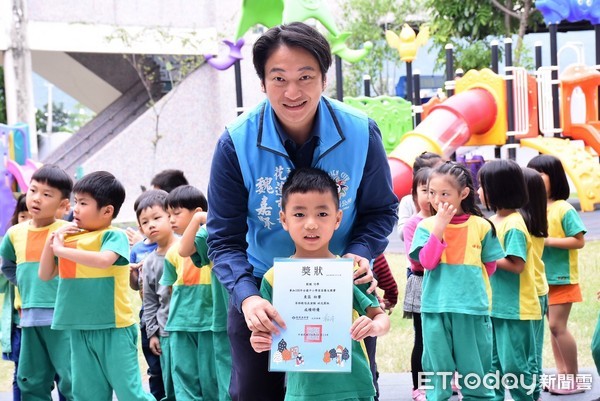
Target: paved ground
(396, 386)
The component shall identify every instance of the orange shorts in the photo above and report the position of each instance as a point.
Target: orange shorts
(564, 294)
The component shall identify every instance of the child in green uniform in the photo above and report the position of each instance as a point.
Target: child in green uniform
(193, 244)
(93, 300)
(10, 330)
(534, 214)
(515, 302)
(44, 352)
(310, 213)
(565, 236)
(190, 313)
(153, 220)
(458, 249)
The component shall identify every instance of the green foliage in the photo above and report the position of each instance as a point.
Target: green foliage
(367, 20)
(471, 25)
(477, 55)
(62, 119)
(2, 98)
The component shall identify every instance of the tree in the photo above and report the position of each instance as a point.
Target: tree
(367, 20)
(470, 25)
(62, 119)
(2, 98)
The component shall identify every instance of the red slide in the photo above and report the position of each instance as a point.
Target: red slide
(448, 126)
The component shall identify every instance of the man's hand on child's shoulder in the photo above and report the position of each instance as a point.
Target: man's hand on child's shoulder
(363, 274)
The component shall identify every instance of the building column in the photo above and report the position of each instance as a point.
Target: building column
(18, 81)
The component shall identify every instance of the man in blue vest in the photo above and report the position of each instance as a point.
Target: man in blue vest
(296, 126)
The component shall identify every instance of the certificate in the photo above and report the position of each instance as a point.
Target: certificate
(314, 298)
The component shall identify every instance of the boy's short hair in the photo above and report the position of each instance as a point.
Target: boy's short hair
(104, 188)
(308, 179)
(150, 198)
(187, 197)
(56, 177)
(169, 179)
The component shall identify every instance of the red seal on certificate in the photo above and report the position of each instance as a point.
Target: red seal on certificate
(313, 333)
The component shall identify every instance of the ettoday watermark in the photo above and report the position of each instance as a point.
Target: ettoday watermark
(508, 381)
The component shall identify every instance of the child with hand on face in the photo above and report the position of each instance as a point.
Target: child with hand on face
(458, 249)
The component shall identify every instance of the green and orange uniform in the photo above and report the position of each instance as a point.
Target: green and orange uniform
(95, 305)
(515, 309)
(456, 301)
(44, 352)
(220, 302)
(189, 326)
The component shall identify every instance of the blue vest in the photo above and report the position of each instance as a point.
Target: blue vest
(265, 164)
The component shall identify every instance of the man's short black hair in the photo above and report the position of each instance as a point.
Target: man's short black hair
(308, 179)
(150, 198)
(295, 34)
(104, 188)
(55, 177)
(169, 179)
(187, 197)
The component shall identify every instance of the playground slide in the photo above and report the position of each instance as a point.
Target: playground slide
(579, 164)
(448, 126)
(7, 201)
(22, 174)
(589, 133)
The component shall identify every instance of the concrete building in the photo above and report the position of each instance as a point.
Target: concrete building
(83, 48)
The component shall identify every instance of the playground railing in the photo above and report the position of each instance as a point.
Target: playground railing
(520, 100)
(546, 111)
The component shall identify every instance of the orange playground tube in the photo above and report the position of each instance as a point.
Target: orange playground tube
(448, 126)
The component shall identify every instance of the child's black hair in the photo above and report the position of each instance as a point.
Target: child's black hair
(463, 178)
(534, 211)
(21, 206)
(187, 197)
(104, 188)
(426, 159)
(56, 177)
(503, 185)
(150, 198)
(553, 168)
(420, 178)
(169, 179)
(308, 179)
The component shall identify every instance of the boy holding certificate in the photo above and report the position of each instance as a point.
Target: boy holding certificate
(310, 213)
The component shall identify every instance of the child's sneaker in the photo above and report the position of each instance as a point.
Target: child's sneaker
(418, 395)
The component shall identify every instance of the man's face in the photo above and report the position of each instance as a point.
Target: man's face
(294, 84)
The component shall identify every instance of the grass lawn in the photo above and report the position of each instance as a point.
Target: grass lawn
(393, 350)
